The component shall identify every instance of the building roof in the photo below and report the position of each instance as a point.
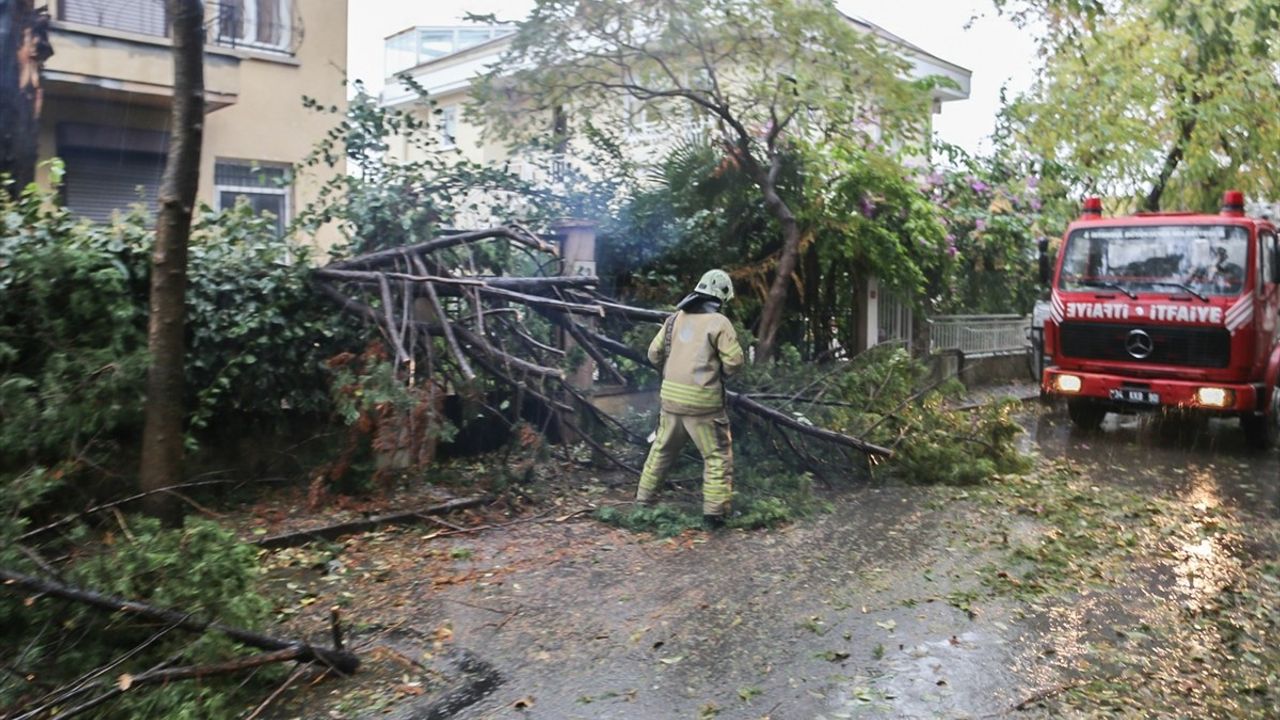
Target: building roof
(455, 70)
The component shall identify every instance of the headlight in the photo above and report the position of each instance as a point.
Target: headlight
(1067, 383)
(1215, 397)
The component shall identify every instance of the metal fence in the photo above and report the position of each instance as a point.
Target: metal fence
(980, 335)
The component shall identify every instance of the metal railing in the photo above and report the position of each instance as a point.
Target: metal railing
(266, 25)
(980, 335)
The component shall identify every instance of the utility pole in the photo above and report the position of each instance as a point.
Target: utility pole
(162, 435)
(24, 46)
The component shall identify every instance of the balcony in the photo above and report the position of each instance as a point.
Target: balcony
(119, 50)
(262, 25)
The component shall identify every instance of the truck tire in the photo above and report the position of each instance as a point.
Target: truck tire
(1263, 432)
(1085, 414)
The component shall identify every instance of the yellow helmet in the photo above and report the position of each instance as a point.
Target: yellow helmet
(717, 284)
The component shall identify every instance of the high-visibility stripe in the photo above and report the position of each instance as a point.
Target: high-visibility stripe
(734, 351)
(690, 394)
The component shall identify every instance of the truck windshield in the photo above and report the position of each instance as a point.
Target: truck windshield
(1203, 259)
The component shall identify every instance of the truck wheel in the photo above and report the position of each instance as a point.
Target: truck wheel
(1263, 433)
(1085, 414)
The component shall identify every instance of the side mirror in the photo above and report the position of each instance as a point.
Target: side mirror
(1046, 270)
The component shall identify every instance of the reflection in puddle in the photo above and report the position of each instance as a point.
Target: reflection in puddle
(1205, 564)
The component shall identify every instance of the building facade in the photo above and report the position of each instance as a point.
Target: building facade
(445, 62)
(108, 90)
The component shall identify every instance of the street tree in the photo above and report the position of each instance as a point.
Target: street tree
(755, 74)
(24, 46)
(1159, 102)
(162, 438)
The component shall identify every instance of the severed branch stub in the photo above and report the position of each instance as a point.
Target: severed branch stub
(439, 285)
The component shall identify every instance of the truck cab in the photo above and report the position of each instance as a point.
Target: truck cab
(1167, 311)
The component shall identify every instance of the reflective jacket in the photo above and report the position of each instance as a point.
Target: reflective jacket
(703, 347)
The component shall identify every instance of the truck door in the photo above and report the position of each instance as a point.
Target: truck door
(1268, 297)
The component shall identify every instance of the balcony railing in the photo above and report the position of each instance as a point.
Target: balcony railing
(266, 25)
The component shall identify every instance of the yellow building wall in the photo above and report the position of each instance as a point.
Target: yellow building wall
(265, 121)
(268, 123)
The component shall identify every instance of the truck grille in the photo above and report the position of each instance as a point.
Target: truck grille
(1198, 347)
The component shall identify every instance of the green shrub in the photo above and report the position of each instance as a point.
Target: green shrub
(73, 313)
(200, 568)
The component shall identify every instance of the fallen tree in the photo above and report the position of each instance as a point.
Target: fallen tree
(443, 318)
(339, 660)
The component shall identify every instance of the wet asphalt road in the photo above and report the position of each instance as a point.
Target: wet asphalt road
(860, 613)
(1183, 456)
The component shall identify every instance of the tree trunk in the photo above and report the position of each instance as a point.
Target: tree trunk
(24, 46)
(163, 433)
(771, 314)
(1186, 127)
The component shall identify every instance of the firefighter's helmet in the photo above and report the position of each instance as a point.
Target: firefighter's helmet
(717, 284)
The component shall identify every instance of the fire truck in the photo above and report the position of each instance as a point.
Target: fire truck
(1168, 311)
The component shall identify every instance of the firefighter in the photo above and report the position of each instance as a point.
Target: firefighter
(695, 349)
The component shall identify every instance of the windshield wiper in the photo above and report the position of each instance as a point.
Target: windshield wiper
(1108, 284)
(1184, 286)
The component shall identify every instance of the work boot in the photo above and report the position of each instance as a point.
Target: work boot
(713, 522)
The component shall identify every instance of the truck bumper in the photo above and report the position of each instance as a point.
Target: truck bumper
(1129, 394)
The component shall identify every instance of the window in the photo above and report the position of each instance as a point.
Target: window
(262, 185)
(1266, 257)
(145, 17)
(1208, 259)
(264, 24)
(423, 44)
(449, 127)
(110, 168)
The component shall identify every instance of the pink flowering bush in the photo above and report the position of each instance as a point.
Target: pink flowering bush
(996, 210)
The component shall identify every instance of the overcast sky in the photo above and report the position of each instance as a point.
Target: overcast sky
(992, 48)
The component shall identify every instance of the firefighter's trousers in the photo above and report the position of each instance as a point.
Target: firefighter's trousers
(710, 434)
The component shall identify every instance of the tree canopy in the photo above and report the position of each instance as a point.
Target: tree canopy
(755, 74)
(1161, 102)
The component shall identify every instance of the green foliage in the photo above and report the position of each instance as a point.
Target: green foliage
(997, 210)
(72, 333)
(887, 398)
(893, 403)
(766, 493)
(382, 202)
(256, 332)
(677, 60)
(73, 308)
(200, 568)
(1158, 103)
(860, 214)
(662, 520)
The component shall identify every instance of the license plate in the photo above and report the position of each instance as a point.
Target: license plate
(1145, 397)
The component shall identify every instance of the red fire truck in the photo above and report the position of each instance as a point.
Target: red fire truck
(1167, 311)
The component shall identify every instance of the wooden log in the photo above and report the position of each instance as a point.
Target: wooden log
(12, 581)
(585, 342)
(355, 307)
(502, 282)
(747, 405)
(383, 257)
(627, 311)
(337, 530)
(477, 342)
(450, 338)
(458, 286)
